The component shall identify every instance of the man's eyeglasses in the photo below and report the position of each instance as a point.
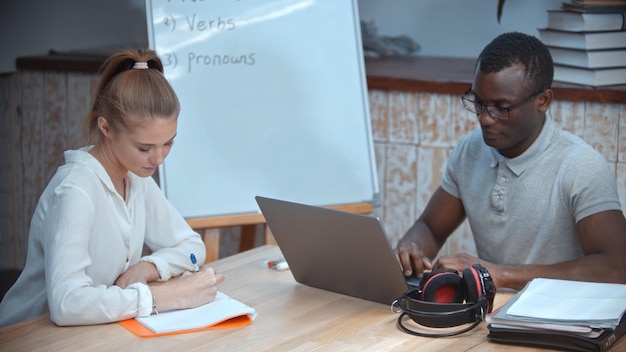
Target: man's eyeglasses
(496, 112)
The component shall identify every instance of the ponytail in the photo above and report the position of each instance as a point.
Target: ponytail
(132, 89)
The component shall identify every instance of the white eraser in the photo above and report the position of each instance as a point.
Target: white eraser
(281, 266)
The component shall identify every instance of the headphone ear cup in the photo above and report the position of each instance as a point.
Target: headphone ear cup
(473, 284)
(443, 287)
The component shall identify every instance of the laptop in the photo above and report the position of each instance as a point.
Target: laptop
(336, 251)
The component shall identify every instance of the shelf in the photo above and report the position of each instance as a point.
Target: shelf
(454, 76)
(415, 74)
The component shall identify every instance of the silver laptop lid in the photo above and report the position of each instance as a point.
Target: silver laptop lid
(334, 250)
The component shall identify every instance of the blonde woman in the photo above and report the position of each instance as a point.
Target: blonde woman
(85, 263)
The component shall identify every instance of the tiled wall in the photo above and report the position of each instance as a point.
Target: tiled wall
(41, 113)
(415, 132)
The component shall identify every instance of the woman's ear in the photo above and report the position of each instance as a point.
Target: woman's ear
(103, 126)
(545, 99)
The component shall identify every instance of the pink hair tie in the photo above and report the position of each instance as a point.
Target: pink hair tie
(140, 65)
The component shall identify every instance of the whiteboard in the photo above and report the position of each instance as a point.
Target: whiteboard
(273, 103)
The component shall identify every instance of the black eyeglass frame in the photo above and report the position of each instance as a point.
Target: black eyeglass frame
(508, 109)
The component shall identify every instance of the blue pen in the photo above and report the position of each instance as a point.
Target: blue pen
(194, 262)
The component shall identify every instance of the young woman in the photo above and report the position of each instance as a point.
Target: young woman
(85, 262)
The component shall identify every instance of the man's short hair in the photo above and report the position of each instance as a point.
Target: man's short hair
(513, 48)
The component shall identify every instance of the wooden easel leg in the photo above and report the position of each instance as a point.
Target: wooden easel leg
(248, 235)
(211, 238)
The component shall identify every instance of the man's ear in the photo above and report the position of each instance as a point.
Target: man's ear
(103, 126)
(545, 99)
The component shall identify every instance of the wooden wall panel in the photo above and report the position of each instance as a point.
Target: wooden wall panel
(431, 165)
(463, 121)
(379, 114)
(54, 116)
(31, 121)
(8, 136)
(435, 120)
(569, 115)
(403, 118)
(400, 189)
(601, 126)
(42, 119)
(16, 175)
(80, 88)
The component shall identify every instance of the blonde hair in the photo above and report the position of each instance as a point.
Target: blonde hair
(132, 89)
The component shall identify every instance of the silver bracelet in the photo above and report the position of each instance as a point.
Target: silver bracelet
(154, 306)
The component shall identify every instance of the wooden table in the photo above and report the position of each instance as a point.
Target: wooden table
(291, 317)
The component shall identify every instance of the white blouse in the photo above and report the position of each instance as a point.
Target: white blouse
(83, 236)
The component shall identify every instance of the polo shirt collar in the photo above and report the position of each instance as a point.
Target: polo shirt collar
(520, 163)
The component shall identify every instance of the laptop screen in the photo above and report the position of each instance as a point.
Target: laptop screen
(334, 250)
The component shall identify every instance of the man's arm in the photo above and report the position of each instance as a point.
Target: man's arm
(443, 214)
(603, 240)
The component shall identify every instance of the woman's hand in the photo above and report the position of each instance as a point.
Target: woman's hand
(143, 272)
(188, 291)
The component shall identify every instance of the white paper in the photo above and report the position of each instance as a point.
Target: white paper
(595, 304)
(221, 309)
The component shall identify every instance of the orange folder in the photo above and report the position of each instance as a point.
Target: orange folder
(140, 330)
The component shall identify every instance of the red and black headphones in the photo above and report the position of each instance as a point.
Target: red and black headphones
(445, 299)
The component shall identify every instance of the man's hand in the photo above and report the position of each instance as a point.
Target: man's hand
(462, 261)
(412, 259)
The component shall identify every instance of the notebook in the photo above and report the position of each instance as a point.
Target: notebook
(223, 312)
(336, 251)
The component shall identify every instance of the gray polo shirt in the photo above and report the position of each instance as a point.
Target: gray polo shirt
(524, 210)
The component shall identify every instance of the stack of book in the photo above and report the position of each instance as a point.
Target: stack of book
(562, 314)
(587, 40)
